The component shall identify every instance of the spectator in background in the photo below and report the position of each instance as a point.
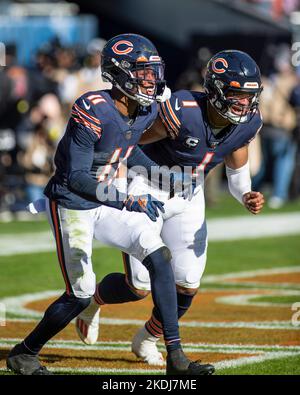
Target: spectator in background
(278, 146)
(88, 78)
(193, 77)
(37, 162)
(295, 102)
(44, 76)
(47, 110)
(14, 96)
(275, 8)
(34, 106)
(39, 134)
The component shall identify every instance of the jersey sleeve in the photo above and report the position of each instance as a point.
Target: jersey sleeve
(80, 159)
(170, 114)
(83, 113)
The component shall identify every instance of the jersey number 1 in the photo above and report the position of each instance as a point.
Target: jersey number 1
(201, 167)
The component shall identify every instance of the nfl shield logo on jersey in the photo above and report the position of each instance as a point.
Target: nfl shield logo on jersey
(191, 142)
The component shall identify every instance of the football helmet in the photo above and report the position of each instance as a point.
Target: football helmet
(229, 72)
(127, 62)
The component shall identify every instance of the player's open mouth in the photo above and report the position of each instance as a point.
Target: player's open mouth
(239, 110)
(150, 91)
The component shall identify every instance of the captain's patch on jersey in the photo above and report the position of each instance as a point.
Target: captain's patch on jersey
(191, 142)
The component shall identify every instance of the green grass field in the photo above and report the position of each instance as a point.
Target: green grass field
(37, 272)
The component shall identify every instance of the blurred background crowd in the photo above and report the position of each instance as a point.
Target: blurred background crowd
(52, 56)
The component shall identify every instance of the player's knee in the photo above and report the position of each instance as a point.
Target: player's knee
(186, 291)
(156, 258)
(139, 281)
(140, 293)
(188, 282)
(79, 303)
(85, 285)
(83, 303)
(147, 243)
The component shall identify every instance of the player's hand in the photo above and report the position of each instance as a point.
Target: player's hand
(144, 204)
(183, 183)
(253, 201)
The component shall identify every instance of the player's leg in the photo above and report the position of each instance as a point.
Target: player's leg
(185, 235)
(163, 290)
(122, 230)
(132, 234)
(73, 230)
(114, 288)
(137, 278)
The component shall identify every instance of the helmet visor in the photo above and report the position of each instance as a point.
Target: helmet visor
(148, 72)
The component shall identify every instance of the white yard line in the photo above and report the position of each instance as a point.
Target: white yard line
(103, 370)
(15, 305)
(252, 227)
(260, 325)
(8, 343)
(249, 300)
(233, 363)
(233, 228)
(223, 278)
(268, 356)
(126, 346)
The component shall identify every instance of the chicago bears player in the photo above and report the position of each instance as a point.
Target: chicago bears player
(199, 130)
(104, 129)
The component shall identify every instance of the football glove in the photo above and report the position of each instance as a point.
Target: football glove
(144, 204)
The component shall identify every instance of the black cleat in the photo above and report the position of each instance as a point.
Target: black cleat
(25, 364)
(179, 364)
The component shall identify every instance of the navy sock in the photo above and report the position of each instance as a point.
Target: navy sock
(164, 294)
(154, 324)
(114, 289)
(183, 303)
(57, 316)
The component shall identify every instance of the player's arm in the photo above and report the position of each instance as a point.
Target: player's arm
(155, 133)
(80, 156)
(168, 122)
(239, 180)
(80, 159)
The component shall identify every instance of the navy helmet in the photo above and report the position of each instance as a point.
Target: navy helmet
(233, 71)
(126, 53)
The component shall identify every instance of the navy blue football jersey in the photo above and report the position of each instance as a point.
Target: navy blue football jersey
(191, 141)
(96, 140)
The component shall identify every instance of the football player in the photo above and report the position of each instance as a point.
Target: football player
(199, 130)
(83, 202)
